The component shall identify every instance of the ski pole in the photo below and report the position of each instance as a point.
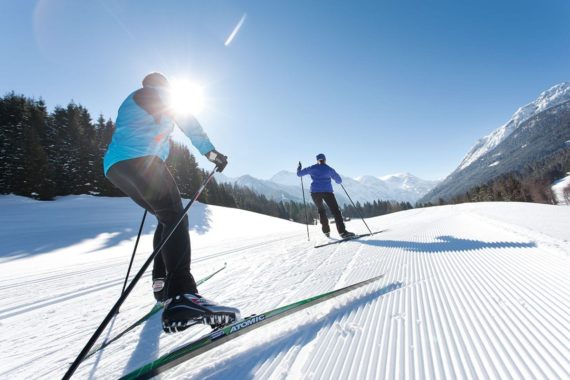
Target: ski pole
(359, 213)
(305, 203)
(131, 286)
(134, 251)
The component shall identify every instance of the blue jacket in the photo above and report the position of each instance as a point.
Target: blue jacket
(321, 175)
(144, 125)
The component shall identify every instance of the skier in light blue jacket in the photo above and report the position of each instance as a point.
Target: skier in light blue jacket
(134, 162)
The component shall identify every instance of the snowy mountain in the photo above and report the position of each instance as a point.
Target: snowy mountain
(533, 133)
(554, 96)
(285, 178)
(268, 188)
(469, 291)
(287, 186)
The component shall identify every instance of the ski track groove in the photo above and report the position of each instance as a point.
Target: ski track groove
(471, 348)
(527, 331)
(519, 317)
(530, 284)
(54, 277)
(452, 349)
(516, 365)
(470, 351)
(16, 310)
(484, 305)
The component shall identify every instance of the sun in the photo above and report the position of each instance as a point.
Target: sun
(187, 98)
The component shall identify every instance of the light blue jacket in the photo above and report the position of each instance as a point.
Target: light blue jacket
(143, 128)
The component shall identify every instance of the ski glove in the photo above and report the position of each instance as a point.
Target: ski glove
(217, 158)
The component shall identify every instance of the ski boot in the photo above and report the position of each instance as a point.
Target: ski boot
(347, 235)
(185, 310)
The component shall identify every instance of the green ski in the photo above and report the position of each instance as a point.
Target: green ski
(231, 331)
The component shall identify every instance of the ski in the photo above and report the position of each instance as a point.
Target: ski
(347, 239)
(155, 309)
(231, 331)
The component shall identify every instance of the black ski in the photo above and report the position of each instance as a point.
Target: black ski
(155, 309)
(231, 331)
(347, 239)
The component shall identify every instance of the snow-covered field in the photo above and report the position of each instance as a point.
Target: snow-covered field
(470, 291)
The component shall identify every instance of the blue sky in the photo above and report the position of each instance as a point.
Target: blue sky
(379, 86)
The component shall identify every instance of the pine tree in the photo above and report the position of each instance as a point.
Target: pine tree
(13, 120)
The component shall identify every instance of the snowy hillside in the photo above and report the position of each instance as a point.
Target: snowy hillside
(552, 97)
(559, 189)
(470, 291)
(284, 185)
(536, 135)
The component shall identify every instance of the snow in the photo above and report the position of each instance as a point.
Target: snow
(552, 97)
(558, 189)
(494, 163)
(470, 291)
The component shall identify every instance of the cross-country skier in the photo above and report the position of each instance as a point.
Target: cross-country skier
(321, 190)
(134, 163)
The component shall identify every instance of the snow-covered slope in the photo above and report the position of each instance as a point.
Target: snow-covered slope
(286, 185)
(470, 291)
(560, 192)
(552, 97)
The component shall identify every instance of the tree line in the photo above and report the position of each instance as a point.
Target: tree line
(375, 208)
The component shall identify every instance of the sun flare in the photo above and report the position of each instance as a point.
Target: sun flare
(187, 98)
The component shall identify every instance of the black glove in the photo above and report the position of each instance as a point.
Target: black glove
(217, 158)
(300, 166)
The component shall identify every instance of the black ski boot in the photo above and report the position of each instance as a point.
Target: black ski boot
(185, 310)
(347, 235)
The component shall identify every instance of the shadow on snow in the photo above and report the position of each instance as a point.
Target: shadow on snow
(36, 228)
(446, 244)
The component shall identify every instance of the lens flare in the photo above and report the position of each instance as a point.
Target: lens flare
(187, 98)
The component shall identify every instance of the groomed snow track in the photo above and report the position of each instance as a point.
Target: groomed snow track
(471, 291)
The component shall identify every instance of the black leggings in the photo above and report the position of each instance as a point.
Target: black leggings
(148, 182)
(330, 200)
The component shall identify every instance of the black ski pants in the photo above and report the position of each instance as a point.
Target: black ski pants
(330, 200)
(148, 182)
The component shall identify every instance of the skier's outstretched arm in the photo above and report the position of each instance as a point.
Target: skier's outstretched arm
(335, 176)
(192, 128)
(302, 172)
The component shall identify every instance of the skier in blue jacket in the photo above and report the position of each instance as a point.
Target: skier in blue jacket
(321, 190)
(134, 162)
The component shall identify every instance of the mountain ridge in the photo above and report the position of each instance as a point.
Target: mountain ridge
(285, 185)
(552, 97)
(534, 133)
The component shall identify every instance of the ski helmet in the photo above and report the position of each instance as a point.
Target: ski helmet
(155, 79)
(321, 157)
